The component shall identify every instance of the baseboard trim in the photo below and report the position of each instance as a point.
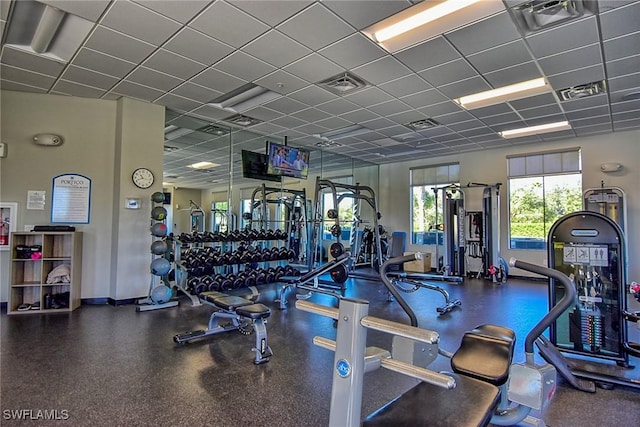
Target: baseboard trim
(109, 301)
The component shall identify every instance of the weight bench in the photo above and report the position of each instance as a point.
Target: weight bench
(241, 313)
(481, 367)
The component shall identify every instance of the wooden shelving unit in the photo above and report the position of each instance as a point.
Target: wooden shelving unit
(29, 287)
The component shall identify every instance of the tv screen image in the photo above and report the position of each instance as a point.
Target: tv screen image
(287, 161)
(254, 165)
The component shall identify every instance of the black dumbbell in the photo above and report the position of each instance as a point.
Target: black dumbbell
(207, 280)
(225, 284)
(270, 275)
(261, 277)
(250, 279)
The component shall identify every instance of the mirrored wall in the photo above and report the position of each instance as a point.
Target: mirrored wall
(222, 188)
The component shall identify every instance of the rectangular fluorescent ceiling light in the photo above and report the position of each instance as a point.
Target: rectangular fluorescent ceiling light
(352, 130)
(535, 130)
(45, 30)
(244, 98)
(203, 165)
(504, 94)
(428, 19)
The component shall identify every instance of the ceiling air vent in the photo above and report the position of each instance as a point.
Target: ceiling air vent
(541, 14)
(423, 124)
(343, 83)
(213, 130)
(582, 91)
(243, 121)
(170, 148)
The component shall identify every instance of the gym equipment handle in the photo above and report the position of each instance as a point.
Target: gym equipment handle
(405, 331)
(392, 289)
(569, 299)
(318, 309)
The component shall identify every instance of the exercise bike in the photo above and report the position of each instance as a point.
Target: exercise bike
(492, 388)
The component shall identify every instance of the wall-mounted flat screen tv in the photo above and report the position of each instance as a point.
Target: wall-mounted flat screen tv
(287, 161)
(254, 165)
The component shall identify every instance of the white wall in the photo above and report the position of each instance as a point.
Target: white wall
(490, 167)
(104, 140)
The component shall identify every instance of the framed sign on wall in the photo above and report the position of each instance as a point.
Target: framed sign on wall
(71, 199)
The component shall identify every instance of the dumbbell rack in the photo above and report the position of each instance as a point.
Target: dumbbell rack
(197, 262)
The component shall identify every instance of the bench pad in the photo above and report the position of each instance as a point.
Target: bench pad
(470, 403)
(231, 303)
(254, 311)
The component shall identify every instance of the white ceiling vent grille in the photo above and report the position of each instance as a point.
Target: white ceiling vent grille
(423, 124)
(243, 121)
(344, 83)
(213, 130)
(582, 91)
(541, 14)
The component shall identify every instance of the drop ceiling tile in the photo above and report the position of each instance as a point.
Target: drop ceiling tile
(468, 125)
(485, 34)
(593, 130)
(534, 101)
(352, 51)
(177, 103)
(286, 106)
(382, 70)
(515, 74)
(287, 122)
(315, 27)
(406, 117)
(312, 95)
(623, 66)
(363, 13)
(378, 123)
(492, 110)
(552, 118)
(622, 47)
(196, 92)
(155, 79)
(546, 110)
(89, 78)
(448, 73)
(606, 5)
(310, 115)
(197, 46)
(182, 11)
(244, 66)
(173, 64)
(439, 109)
(210, 113)
(501, 119)
(311, 129)
(583, 103)
(620, 107)
(272, 12)
(630, 81)
(18, 75)
(337, 106)
(429, 54)
(90, 10)
(262, 113)
(359, 115)
(390, 107)
(314, 68)
(464, 87)
(577, 77)
(368, 96)
(623, 95)
(28, 61)
(139, 22)
(394, 131)
(626, 125)
(621, 21)
(458, 116)
(102, 63)
(19, 87)
(405, 86)
(571, 60)
(503, 56)
(565, 37)
(228, 24)
(424, 98)
(334, 123)
(588, 112)
(217, 80)
(134, 90)
(119, 45)
(281, 82)
(473, 132)
(75, 89)
(590, 121)
(276, 49)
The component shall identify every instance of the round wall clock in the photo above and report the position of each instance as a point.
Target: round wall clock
(142, 178)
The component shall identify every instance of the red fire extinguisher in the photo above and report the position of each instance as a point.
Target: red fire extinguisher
(4, 233)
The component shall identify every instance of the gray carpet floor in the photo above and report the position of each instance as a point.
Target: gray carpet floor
(106, 365)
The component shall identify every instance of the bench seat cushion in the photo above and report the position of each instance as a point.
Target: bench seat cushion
(470, 403)
(231, 303)
(254, 311)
